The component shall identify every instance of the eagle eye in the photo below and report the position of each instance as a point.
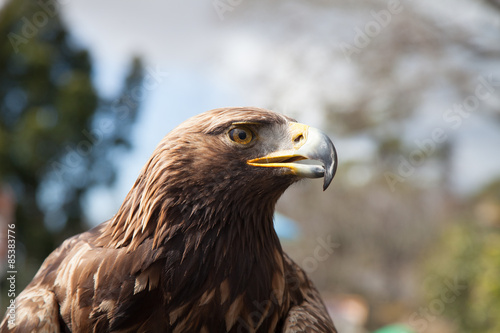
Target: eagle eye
(241, 135)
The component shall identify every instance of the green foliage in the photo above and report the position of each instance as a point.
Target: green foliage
(57, 135)
(469, 252)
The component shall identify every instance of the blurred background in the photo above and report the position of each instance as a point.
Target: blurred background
(407, 238)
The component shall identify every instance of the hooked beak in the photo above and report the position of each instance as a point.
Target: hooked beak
(307, 144)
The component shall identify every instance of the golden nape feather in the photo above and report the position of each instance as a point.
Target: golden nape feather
(192, 248)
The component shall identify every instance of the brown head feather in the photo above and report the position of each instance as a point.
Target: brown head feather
(176, 175)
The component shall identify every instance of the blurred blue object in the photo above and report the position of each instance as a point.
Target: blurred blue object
(285, 228)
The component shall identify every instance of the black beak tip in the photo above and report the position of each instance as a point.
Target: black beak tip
(330, 169)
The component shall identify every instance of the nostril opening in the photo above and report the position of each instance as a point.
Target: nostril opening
(299, 138)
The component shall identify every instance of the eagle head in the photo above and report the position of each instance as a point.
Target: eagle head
(247, 149)
(223, 159)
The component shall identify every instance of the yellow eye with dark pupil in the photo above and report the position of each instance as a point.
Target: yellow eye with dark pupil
(241, 135)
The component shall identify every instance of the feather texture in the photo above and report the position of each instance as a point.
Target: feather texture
(191, 249)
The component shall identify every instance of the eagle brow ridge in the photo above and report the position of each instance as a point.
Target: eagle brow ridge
(222, 127)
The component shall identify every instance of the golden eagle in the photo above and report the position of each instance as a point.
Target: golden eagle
(192, 248)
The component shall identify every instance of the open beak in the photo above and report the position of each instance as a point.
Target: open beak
(307, 143)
